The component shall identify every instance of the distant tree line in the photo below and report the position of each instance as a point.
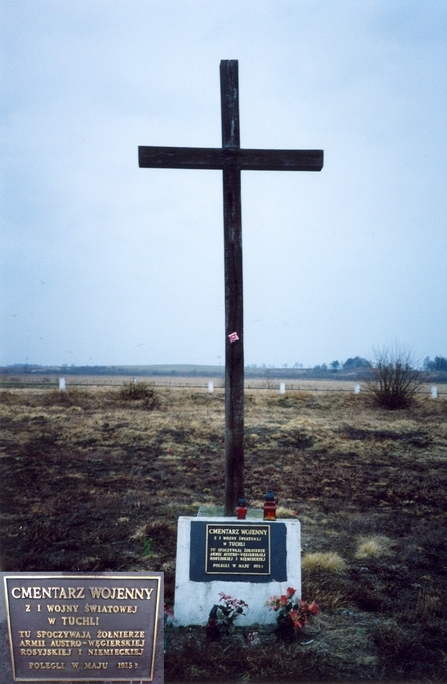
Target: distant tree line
(348, 365)
(439, 363)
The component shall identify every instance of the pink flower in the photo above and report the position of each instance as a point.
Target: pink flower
(272, 603)
(233, 337)
(231, 601)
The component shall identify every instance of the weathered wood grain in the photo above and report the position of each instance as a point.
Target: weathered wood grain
(241, 159)
(234, 307)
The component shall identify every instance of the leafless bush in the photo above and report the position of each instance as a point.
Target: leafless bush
(134, 391)
(392, 379)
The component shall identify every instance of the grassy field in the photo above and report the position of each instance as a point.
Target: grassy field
(94, 479)
(46, 381)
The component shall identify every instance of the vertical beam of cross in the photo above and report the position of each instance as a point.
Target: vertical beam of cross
(234, 316)
(231, 160)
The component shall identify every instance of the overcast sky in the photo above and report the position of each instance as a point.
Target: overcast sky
(106, 263)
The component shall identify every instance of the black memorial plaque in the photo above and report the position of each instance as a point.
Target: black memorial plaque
(237, 549)
(262, 546)
(66, 627)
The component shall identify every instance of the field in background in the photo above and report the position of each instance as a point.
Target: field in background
(198, 382)
(95, 481)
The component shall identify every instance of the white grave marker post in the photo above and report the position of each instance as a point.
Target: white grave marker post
(282, 388)
(356, 389)
(62, 386)
(434, 392)
(210, 386)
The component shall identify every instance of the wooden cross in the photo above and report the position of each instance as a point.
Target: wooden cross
(231, 159)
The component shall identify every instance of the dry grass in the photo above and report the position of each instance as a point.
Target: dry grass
(94, 481)
(328, 561)
(372, 547)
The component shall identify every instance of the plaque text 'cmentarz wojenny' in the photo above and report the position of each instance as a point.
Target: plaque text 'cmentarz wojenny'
(83, 627)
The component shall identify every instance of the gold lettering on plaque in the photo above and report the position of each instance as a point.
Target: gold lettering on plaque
(243, 549)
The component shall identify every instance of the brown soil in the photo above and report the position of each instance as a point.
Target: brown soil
(95, 480)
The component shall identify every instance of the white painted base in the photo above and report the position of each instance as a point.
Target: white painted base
(194, 600)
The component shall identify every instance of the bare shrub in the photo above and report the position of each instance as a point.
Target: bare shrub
(392, 379)
(134, 391)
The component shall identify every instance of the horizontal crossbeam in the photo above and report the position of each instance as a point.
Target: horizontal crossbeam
(219, 158)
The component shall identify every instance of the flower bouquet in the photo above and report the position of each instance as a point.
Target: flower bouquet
(292, 613)
(221, 618)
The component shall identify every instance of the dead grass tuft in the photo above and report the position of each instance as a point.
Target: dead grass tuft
(374, 547)
(326, 561)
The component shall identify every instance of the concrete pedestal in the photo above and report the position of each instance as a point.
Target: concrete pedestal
(249, 559)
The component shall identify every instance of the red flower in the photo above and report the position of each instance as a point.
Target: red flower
(290, 591)
(283, 600)
(296, 619)
(313, 608)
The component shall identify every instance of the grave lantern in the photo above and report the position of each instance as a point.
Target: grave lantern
(241, 509)
(269, 506)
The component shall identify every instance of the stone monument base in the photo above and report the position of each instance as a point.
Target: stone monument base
(249, 559)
